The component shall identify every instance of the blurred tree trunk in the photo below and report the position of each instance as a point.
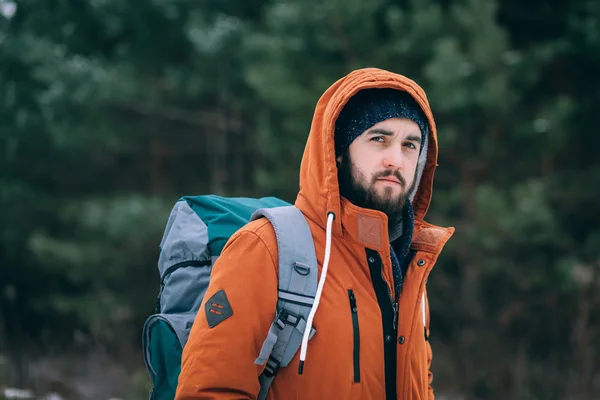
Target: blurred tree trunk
(471, 268)
(157, 160)
(584, 352)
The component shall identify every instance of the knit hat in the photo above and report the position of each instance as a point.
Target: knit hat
(371, 106)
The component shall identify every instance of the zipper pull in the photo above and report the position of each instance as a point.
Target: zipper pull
(352, 301)
(395, 307)
(157, 307)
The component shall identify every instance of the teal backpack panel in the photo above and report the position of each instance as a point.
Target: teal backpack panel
(165, 358)
(197, 230)
(226, 215)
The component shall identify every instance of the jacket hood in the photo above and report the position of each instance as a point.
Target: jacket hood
(319, 190)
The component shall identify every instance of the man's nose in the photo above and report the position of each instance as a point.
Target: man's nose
(394, 159)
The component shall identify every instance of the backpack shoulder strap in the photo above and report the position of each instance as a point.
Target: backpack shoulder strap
(298, 276)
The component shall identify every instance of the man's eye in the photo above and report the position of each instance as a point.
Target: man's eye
(411, 146)
(378, 139)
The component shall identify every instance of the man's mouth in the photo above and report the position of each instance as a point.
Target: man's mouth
(390, 179)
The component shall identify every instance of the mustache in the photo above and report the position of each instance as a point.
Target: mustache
(388, 172)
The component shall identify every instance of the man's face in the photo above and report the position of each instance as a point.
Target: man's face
(378, 170)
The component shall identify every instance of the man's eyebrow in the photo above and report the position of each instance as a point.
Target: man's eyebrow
(380, 131)
(385, 132)
(414, 138)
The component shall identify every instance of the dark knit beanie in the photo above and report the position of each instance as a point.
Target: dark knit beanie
(371, 106)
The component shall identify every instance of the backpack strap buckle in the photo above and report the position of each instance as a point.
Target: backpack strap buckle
(272, 367)
(286, 317)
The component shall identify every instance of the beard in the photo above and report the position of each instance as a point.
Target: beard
(360, 190)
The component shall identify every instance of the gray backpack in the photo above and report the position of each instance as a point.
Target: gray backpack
(196, 232)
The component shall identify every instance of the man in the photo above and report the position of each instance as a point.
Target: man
(365, 183)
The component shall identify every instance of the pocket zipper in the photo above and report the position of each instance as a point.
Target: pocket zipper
(356, 332)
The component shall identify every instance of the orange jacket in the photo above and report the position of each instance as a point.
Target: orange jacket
(218, 363)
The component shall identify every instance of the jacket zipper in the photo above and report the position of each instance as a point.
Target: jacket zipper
(389, 292)
(396, 304)
(356, 330)
(420, 305)
(388, 320)
(171, 269)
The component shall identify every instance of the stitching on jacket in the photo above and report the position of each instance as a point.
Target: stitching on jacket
(369, 229)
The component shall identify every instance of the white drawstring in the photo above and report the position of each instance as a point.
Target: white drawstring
(423, 310)
(313, 310)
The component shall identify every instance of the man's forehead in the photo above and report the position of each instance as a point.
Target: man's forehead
(394, 127)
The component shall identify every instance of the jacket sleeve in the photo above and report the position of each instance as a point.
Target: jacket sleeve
(430, 393)
(218, 362)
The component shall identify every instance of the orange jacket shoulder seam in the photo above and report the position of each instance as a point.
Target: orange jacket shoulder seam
(255, 231)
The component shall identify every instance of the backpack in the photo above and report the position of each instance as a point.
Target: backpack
(196, 232)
